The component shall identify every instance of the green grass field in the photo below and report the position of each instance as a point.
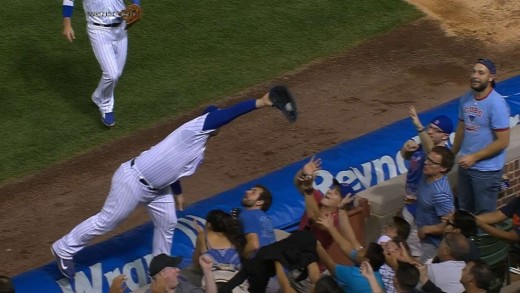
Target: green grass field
(182, 54)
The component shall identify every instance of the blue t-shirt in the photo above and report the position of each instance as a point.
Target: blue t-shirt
(434, 200)
(257, 221)
(352, 281)
(512, 210)
(481, 119)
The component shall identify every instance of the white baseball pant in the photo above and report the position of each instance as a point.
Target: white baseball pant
(126, 193)
(110, 45)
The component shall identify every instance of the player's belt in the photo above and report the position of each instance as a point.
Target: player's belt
(141, 179)
(115, 24)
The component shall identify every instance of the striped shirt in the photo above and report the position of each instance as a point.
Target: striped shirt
(178, 155)
(434, 200)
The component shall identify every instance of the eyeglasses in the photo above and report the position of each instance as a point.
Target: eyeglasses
(428, 159)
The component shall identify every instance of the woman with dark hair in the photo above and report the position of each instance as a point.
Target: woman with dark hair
(223, 241)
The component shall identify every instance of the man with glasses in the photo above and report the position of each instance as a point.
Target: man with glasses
(482, 136)
(434, 197)
(462, 222)
(436, 134)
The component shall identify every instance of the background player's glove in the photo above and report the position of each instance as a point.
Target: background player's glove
(131, 15)
(284, 101)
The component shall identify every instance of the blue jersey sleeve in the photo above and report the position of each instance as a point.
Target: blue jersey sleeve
(67, 8)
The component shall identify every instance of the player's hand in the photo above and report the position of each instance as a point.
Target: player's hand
(410, 146)
(68, 33)
(415, 119)
(118, 284)
(179, 201)
(467, 161)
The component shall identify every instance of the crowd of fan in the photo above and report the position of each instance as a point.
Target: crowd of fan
(430, 247)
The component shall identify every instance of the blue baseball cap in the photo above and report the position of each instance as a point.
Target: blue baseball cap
(489, 64)
(343, 188)
(443, 123)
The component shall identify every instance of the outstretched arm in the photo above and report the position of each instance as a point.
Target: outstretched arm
(426, 140)
(303, 182)
(491, 217)
(326, 259)
(498, 233)
(305, 176)
(431, 230)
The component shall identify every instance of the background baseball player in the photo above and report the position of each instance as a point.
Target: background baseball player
(109, 40)
(147, 179)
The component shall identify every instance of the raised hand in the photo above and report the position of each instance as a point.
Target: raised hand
(346, 200)
(415, 119)
(312, 166)
(206, 263)
(366, 270)
(326, 221)
(411, 146)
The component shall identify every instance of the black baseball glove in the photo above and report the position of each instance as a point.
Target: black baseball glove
(283, 100)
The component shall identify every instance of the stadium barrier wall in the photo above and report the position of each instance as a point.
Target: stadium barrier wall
(365, 162)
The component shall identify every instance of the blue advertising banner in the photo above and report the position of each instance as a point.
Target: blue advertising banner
(361, 162)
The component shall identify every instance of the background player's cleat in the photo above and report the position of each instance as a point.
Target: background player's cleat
(66, 266)
(108, 119)
(283, 100)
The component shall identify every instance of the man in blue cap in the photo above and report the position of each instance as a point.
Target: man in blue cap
(437, 133)
(482, 137)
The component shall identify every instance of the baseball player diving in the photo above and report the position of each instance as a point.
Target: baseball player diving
(147, 178)
(107, 24)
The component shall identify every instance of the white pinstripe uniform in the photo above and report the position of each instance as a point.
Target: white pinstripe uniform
(145, 180)
(109, 44)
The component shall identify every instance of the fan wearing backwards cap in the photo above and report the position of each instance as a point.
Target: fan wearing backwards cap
(437, 133)
(166, 276)
(317, 205)
(481, 140)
